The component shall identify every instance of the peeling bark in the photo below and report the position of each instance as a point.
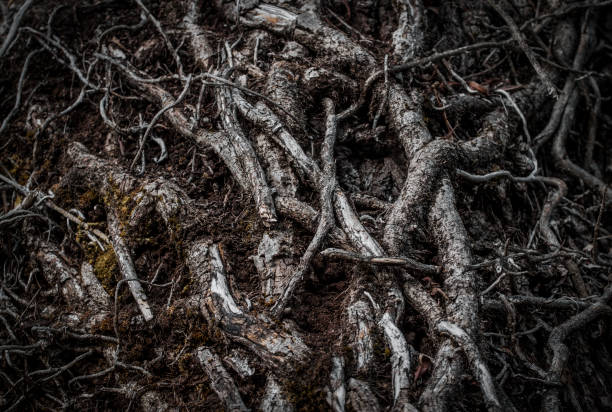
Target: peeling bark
(221, 382)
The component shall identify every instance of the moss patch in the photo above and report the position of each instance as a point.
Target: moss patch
(105, 269)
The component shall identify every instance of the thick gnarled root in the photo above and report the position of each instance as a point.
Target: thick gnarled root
(347, 214)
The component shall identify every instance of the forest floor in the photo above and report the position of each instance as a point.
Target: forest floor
(277, 165)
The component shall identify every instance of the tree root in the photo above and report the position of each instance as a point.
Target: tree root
(379, 278)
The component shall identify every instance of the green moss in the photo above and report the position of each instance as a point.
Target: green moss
(88, 199)
(175, 229)
(184, 363)
(121, 202)
(19, 168)
(105, 269)
(200, 337)
(104, 327)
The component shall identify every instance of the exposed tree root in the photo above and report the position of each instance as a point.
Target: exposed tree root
(330, 218)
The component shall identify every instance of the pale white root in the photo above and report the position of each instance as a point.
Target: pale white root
(93, 288)
(220, 380)
(478, 366)
(246, 156)
(261, 115)
(239, 361)
(336, 396)
(307, 28)
(126, 265)
(326, 184)
(151, 401)
(279, 174)
(407, 39)
(400, 356)
(406, 119)
(58, 273)
(274, 398)
(280, 348)
(274, 263)
(362, 323)
(361, 398)
(199, 44)
(462, 307)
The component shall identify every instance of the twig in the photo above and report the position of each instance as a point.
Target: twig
(597, 223)
(495, 283)
(50, 204)
(327, 184)
(226, 82)
(584, 46)
(246, 156)
(14, 26)
(126, 266)
(382, 260)
(15, 108)
(137, 75)
(348, 26)
(92, 376)
(549, 206)
(110, 123)
(161, 31)
(74, 335)
(460, 79)
(531, 302)
(137, 26)
(52, 17)
(159, 114)
(479, 367)
(592, 136)
(520, 39)
(67, 110)
(72, 60)
(518, 111)
(412, 64)
(561, 157)
(560, 350)
(383, 101)
(60, 370)
(568, 8)
(219, 81)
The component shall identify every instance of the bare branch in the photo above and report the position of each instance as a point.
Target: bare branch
(126, 265)
(382, 260)
(10, 36)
